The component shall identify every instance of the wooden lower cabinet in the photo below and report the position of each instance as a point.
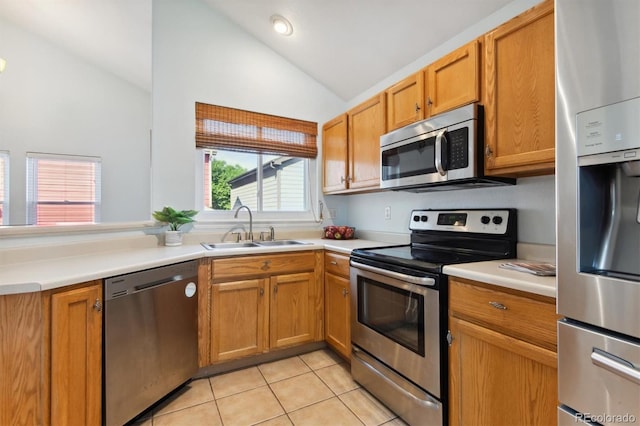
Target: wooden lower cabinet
(76, 355)
(337, 331)
(21, 359)
(498, 374)
(243, 304)
(256, 305)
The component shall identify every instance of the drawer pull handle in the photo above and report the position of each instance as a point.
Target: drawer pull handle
(333, 262)
(498, 305)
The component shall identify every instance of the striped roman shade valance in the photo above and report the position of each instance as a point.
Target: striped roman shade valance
(219, 127)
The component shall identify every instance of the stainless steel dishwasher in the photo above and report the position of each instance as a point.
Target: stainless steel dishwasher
(150, 337)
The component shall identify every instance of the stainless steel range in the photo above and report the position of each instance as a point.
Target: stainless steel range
(399, 306)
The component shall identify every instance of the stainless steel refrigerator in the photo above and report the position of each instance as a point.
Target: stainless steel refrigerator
(598, 210)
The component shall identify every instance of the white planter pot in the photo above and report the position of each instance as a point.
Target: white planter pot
(173, 238)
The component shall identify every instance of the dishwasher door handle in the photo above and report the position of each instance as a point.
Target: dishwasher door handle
(146, 286)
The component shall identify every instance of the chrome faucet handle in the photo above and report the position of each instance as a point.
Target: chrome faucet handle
(266, 236)
(248, 236)
(272, 233)
(236, 236)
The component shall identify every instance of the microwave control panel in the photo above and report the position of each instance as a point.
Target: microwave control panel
(458, 148)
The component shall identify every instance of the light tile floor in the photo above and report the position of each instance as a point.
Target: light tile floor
(314, 389)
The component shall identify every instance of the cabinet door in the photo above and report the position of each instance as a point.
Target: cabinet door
(21, 359)
(337, 316)
(334, 154)
(76, 356)
(239, 314)
(291, 310)
(405, 101)
(520, 91)
(367, 122)
(453, 80)
(499, 380)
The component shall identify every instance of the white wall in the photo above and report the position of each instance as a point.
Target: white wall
(533, 197)
(54, 102)
(199, 55)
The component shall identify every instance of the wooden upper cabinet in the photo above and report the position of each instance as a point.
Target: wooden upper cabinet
(519, 94)
(453, 80)
(334, 154)
(405, 101)
(367, 122)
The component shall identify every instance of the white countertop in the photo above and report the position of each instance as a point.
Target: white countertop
(74, 268)
(489, 272)
(47, 274)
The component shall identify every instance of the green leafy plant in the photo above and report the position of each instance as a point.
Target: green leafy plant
(174, 218)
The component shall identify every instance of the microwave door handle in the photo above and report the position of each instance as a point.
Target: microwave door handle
(439, 142)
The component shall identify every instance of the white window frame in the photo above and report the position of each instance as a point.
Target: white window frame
(32, 196)
(208, 218)
(4, 157)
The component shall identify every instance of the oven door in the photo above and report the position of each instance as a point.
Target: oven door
(395, 318)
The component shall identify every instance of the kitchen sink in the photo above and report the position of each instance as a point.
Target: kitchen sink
(274, 243)
(280, 243)
(213, 246)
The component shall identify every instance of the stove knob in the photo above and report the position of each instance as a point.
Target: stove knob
(423, 218)
(416, 218)
(485, 219)
(497, 220)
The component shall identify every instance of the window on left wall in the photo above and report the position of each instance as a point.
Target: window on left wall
(4, 188)
(63, 189)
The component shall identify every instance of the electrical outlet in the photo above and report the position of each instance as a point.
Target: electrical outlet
(387, 213)
(332, 213)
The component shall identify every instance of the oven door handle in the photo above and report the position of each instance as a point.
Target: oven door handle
(425, 281)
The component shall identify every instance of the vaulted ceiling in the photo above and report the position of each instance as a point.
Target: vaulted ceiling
(347, 45)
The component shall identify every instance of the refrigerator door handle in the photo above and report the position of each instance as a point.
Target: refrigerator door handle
(616, 365)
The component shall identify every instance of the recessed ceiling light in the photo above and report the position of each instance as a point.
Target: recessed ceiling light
(281, 25)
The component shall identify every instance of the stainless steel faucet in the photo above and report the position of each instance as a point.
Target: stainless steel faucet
(248, 236)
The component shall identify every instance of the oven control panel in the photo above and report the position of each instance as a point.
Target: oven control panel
(476, 221)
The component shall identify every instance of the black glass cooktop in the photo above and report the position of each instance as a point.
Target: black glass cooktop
(429, 259)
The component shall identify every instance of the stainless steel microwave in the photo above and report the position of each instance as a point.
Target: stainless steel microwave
(440, 153)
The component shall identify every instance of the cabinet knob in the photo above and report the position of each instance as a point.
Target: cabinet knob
(487, 151)
(498, 305)
(261, 291)
(344, 292)
(98, 305)
(275, 289)
(265, 265)
(417, 107)
(429, 101)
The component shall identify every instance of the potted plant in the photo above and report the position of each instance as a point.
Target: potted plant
(175, 219)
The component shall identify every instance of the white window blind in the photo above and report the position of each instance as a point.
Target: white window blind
(63, 189)
(4, 188)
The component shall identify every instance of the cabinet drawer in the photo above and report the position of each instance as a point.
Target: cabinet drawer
(519, 316)
(270, 264)
(337, 264)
